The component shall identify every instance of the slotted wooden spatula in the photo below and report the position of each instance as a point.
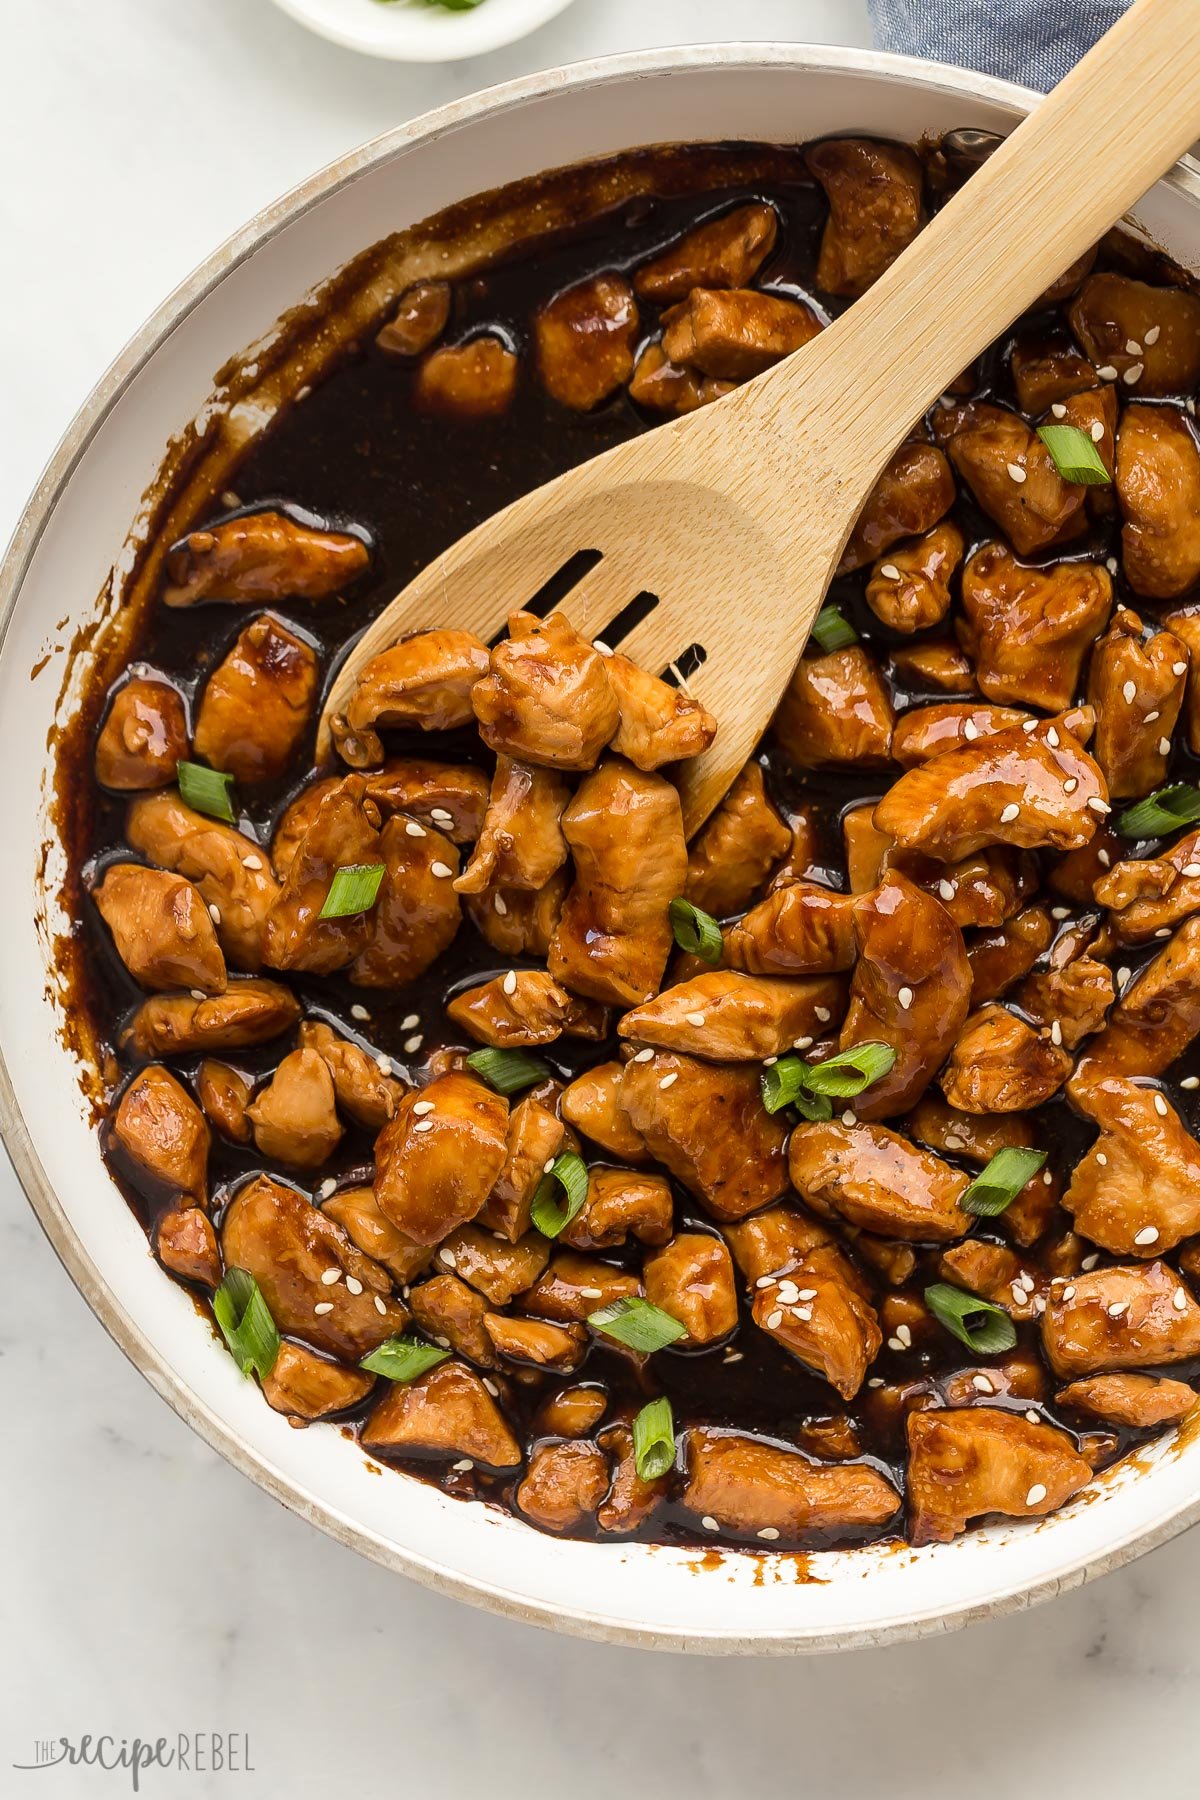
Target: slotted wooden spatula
(736, 516)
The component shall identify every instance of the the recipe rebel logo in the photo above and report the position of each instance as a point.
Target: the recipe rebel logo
(188, 1752)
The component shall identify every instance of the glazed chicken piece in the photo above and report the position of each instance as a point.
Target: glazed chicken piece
(994, 1273)
(613, 937)
(1132, 1316)
(1156, 1017)
(1186, 626)
(933, 663)
(563, 1485)
(518, 1009)
(1028, 630)
(453, 1314)
(364, 1092)
(620, 1204)
(821, 1320)
(630, 1500)
(306, 1386)
(295, 1117)
(915, 490)
(1025, 788)
(804, 859)
(803, 929)
(910, 989)
(726, 252)
(875, 210)
(468, 381)
(424, 683)
(295, 820)
(573, 1412)
(875, 1179)
(521, 844)
(435, 1168)
(836, 710)
(1096, 414)
(535, 1344)
(1075, 875)
(659, 723)
(143, 738)
(979, 1459)
(707, 1125)
(593, 1104)
(1137, 694)
(691, 1278)
(534, 1137)
(1127, 325)
(1136, 1191)
(417, 913)
(663, 386)
(262, 557)
(728, 1017)
(160, 1130)
(448, 797)
(776, 1241)
(929, 731)
(757, 1489)
(161, 928)
(979, 892)
(355, 1210)
(1001, 1064)
(1036, 508)
(1140, 1402)
(1001, 957)
(447, 1413)
(186, 1244)
(736, 333)
(421, 316)
(909, 589)
(288, 1244)
(1143, 898)
(224, 1094)
(975, 1136)
(584, 339)
(1158, 486)
(1075, 998)
(517, 922)
(499, 1271)
(735, 850)
(343, 834)
(864, 849)
(547, 698)
(246, 1014)
(1046, 374)
(574, 1287)
(229, 869)
(257, 703)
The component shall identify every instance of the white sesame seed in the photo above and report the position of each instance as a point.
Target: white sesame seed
(547, 1165)
(803, 1043)
(889, 571)
(412, 829)
(1106, 372)
(905, 1335)
(709, 1523)
(1034, 1418)
(353, 1284)
(1102, 1159)
(769, 1062)
(905, 997)
(982, 1383)
(970, 730)
(1029, 725)
(329, 1276)
(412, 1044)
(500, 905)
(1068, 1293)
(875, 1381)
(894, 1343)
(384, 1064)
(326, 1188)
(443, 1343)
(509, 983)
(1111, 564)
(1059, 410)
(765, 1281)
(1160, 1106)
(359, 1012)
(1164, 746)
(442, 870)
(823, 1013)
(1052, 738)
(1133, 374)
(773, 1319)
(1117, 1308)
(1132, 347)
(668, 1080)
(946, 889)
(441, 816)
(420, 1107)
(1163, 931)
(1060, 913)
(1179, 1299)
(1104, 858)
(448, 1257)
(423, 1125)
(849, 1117)
(407, 1023)
(953, 1141)
(803, 1313)
(1018, 1293)
(1011, 812)
(1017, 473)
(214, 913)
(601, 646)
(807, 1294)
(1147, 1235)
(1190, 869)
(1153, 335)
(1048, 1179)
(1123, 974)
(323, 1306)
(732, 1356)
(463, 1467)
(789, 1293)
(252, 862)
(1055, 1032)
(1129, 692)
(1099, 806)
(491, 1387)
(644, 1056)
(1190, 1082)
(1097, 430)
(694, 1018)
(1089, 1262)
(591, 1293)
(1179, 668)
(1149, 720)
(769, 1533)
(1190, 404)
(379, 1305)
(1036, 1494)
(199, 994)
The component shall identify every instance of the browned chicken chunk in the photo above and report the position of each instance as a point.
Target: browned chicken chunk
(1034, 507)
(744, 1485)
(453, 1314)
(1001, 1064)
(547, 698)
(736, 333)
(594, 1105)
(364, 1093)
(574, 1287)
(224, 1095)
(1135, 1316)
(446, 1413)
(774, 1241)
(929, 731)
(161, 1130)
(659, 723)
(815, 1315)
(417, 914)
(631, 1499)
(573, 1412)
(307, 1386)
(295, 1117)
(533, 1139)
(436, 1167)
(161, 928)
(1047, 374)
(978, 1459)
(143, 738)
(873, 1178)
(447, 797)
(497, 1269)
(186, 1244)
(909, 589)
(563, 1485)
(915, 490)
(737, 847)
(468, 381)
(1140, 1402)
(535, 1344)
(1146, 897)
(524, 1007)
(622, 1203)
(258, 702)
(425, 682)
(344, 833)
(1070, 1002)
(355, 1210)
(729, 1017)
(521, 844)
(707, 1125)
(666, 387)
(933, 663)
(1137, 694)
(1000, 957)
(421, 316)
(231, 872)
(585, 338)
(1127, 326)
(1136, 1191)
(726, 252)
(246, 1014)
(1028, 630)
(691, 1278)
(803, 929)
(836, 709)
(263, 556)
(875, 210)
(1158, 485)
(1156, 1017)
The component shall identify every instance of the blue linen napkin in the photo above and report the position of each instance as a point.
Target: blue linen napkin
(1034, 42)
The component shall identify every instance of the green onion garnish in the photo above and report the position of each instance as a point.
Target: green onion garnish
(808, 1086)
(246, 1323)
(508, 1071)
(1075, 455)
(352, 890)
(403, 1358)
(832, 631)
(654, 1439)
(783, 1085)
(205, 790)
(696, 932)
(976, 1323)
(551, 1216)
(638, 1324)
(998, 1185)
(1161, 813)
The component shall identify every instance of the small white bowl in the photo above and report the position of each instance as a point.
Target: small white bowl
(414, 31)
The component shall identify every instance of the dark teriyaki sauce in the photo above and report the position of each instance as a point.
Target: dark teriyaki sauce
(355, 453)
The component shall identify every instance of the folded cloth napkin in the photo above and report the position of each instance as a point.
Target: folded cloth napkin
(1034, 42)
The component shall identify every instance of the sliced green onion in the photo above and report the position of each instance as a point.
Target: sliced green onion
(851, 1071)
(976, 1323)
(638, 1324)
(205, 790)
(998, 1185)
(695, 931)
(403, 1358)
(1161, 813)
(548, 1213)
(508, 1071)
(654, 1439)
(246, 1323)
(1075, 455)
(352, 890)
(783, 1085)
(832, 631)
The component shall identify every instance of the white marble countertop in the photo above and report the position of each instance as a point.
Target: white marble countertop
(147, 1587)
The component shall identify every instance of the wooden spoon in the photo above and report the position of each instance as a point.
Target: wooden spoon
(735, 517)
